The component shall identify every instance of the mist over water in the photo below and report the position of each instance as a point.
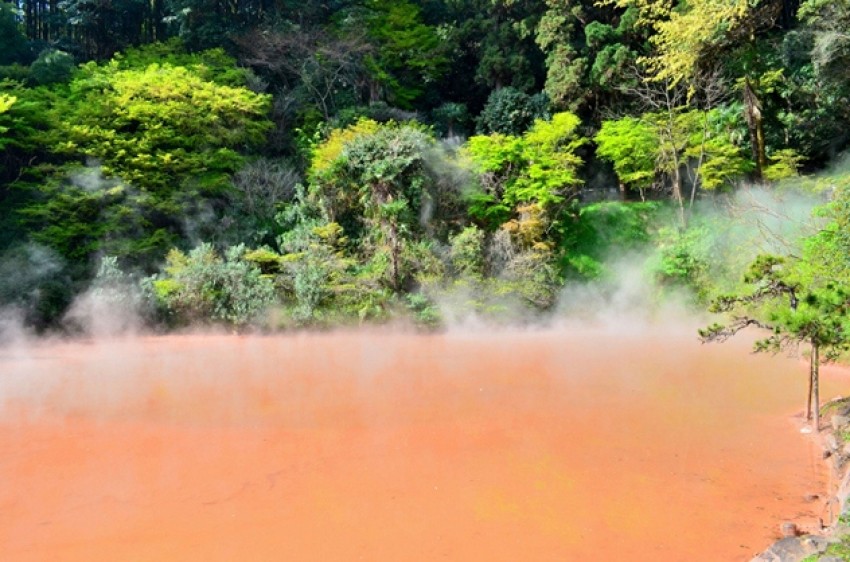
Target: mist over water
(623, 440)
(603, 431)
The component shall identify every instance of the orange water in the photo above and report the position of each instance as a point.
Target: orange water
(567, 444)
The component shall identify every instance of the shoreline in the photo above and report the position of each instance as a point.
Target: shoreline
(834, 442)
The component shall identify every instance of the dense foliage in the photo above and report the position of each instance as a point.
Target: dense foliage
(303, 163)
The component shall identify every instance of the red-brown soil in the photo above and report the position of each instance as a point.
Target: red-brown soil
(568, 444)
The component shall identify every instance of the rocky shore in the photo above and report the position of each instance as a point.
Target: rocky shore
(832, 542)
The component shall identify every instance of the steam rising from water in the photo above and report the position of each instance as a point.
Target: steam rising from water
(623, 442)
(605, 432)
(737, 227)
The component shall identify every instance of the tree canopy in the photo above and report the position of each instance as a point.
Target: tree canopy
(372, 156)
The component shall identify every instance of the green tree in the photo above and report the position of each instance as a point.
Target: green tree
(540, 168)
(829, 249)
(409, 55)
(631, 145)
(778, 299)
(161, 143)
(512, 112)
(100, 28)
(14, 47)
(692, 39)
(803, 299)
(666, 143)
(23, 146)
(52, 66)
(450, 118)
(204, 24)
(507, 53)
(828, 21)
(814, 92)
(160, 126)
(590, 49)
(377, 181)
(490, 45)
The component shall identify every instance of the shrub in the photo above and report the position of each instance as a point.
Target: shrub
(202, 286)
(52, 66)
(511, 112)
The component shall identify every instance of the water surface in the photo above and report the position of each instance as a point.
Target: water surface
(564, 444)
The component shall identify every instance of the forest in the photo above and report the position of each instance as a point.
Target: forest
(285, 164)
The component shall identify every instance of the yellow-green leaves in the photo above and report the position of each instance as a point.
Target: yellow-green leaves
(552, 172)
(631, 145)
(683, 31)
(327, 152)
(682, 39)
(643, 149)
(537, 167)
(6, 102)
(158, 125)
(782, 164)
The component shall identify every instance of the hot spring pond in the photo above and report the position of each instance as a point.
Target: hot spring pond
(562, 444)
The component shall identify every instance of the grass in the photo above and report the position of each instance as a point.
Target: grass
(839, 550)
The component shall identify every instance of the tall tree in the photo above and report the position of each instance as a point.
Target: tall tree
(803, 299)
(161, 143)
(380, 183)
(792, 312)
(530, 176)
(490, 44)
(407, 55)
(590, 50)
(14, 47)
(690, 38)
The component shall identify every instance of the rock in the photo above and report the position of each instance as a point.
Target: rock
(811, 497)
(845, 451)
(788, 529)
(830, 559)
(831, 442)
(819, 544)
(839, 422)
(792, 549)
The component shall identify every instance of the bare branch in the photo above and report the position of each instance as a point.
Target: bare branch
(308, 58)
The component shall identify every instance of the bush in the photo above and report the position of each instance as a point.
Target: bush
(511, 112)
(603, 230)
(684, 259)
(51, 67)
(451, 119)
(204, 287)
(467, 252)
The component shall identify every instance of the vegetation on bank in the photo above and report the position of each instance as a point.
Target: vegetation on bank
(312, 165)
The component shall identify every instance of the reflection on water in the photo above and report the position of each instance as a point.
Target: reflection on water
(566, 444)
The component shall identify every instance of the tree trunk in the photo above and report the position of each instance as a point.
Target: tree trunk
(752, 114)
(697, 177)
(815, 359)
(677, 192)
(395, 256)
(809, 396)
(675, 163)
